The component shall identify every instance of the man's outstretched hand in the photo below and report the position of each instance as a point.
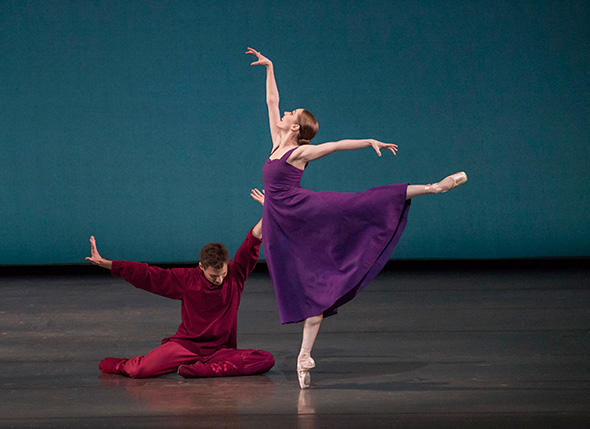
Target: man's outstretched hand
(95, 257)
(257, 195)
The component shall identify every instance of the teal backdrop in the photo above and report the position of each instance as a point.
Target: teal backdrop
(142, 122)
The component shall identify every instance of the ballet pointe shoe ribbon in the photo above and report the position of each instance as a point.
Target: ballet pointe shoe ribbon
(447, 183)
(304, 366)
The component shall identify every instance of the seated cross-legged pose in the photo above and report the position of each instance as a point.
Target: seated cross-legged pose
(205, 344)
(322, 248)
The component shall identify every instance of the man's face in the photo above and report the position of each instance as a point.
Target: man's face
(213, 275)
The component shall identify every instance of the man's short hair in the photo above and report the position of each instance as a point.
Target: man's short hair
(214, 255)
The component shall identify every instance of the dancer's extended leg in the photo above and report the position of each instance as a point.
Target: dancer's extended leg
(444, 185)
(304, 361)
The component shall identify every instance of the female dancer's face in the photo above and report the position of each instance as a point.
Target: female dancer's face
(289, 119)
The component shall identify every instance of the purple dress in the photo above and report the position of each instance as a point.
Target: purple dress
(322, 248)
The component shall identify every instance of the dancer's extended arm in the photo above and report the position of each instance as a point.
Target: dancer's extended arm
(257, 196)
(247, 255)
(257, 230)
(272, 95)
(308, 153)
(157, 280)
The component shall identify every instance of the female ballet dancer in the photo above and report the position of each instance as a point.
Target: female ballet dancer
(322, 248)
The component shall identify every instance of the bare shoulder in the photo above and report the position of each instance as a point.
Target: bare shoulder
(308, 152)
(299, 157)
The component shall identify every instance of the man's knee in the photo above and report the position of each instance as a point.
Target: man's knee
(258, 361)
(230, 362)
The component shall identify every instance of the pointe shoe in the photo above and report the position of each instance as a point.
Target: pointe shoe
(448, 183)
(303, 371)
(459, 178)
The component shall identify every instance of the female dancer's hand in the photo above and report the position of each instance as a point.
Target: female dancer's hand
(95, 257)
(377, 145)
(257, 195)
(262, 60)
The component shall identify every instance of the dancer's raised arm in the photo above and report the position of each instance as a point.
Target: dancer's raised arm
(272, 95)
(307, 153)
(257, 196)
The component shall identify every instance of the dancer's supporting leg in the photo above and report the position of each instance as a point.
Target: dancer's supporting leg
(444, 185)
(304, 361)
(229, 362)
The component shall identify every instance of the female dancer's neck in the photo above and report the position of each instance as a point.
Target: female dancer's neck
(288, 139)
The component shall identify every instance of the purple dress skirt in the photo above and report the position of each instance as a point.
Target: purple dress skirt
(322, 248)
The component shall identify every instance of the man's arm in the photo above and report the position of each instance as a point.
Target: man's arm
(247, 255)
(153, 279)
(257, 196)
(257, 230)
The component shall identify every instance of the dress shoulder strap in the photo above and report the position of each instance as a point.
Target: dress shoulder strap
(288, 153)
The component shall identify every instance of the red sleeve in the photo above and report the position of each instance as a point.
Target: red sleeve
(246, 258)
(153, 279)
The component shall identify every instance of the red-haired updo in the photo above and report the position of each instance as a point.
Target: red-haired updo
(308, 127)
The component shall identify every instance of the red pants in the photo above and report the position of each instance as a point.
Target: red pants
(170, 356)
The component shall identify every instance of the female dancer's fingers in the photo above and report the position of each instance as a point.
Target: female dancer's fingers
(253, 52)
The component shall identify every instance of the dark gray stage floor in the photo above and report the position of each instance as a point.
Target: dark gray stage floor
(417, 348)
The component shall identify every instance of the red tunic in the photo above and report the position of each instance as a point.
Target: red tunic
(209, 313)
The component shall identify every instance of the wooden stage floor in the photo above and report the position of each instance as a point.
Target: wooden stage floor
(419, 347)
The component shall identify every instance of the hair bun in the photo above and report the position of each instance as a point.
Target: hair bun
(304, 141)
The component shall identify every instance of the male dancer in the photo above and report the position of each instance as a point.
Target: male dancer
(205, 344)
